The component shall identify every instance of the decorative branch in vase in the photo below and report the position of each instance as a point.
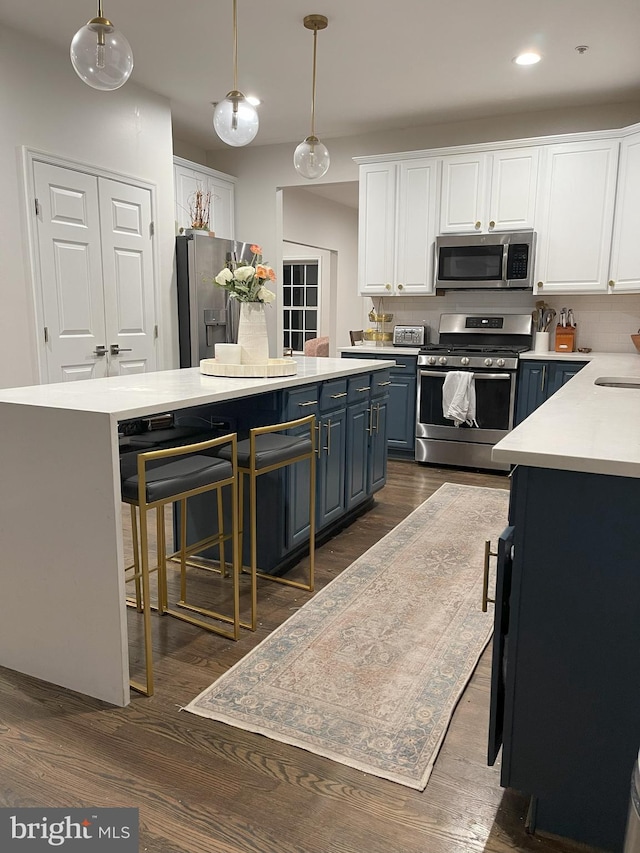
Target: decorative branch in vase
(200, 209)
(245, 282)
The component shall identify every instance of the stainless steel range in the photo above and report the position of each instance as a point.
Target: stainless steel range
(486, 345)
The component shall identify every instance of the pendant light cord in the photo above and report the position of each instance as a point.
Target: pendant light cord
(235, 45)
(313, 84)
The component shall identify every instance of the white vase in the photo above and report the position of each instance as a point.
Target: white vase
(252, 333)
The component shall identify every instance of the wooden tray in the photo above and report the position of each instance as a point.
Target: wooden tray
(274, 367)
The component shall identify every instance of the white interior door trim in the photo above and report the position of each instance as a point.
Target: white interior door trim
(28, 157)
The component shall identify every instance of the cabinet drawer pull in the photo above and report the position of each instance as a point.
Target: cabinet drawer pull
(362, 390)
(399, 366)
(328, 447)
(309, 403)
(384, 384)
(485, 579)
(337, 396)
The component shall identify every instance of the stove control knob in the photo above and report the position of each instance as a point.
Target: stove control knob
(442, 360)
(431, 360)
(464, 360)
(500, 362)
(488, 362)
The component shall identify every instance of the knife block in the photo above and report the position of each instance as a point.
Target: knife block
(565, 338)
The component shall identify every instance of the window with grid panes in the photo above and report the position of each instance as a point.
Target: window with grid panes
(300, 302)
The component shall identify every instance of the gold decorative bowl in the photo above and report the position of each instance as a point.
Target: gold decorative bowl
(636, 341)
(375, 335)
(380, 318)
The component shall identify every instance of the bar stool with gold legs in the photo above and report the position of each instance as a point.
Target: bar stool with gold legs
(264, 451)
(169, 475)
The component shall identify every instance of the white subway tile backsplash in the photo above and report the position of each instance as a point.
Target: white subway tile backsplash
(604, 323)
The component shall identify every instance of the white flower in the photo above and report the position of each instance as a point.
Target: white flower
(266, 295)
(224, 276)
(244, 273)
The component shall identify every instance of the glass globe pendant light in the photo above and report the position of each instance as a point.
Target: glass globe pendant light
(235, 120)
(311, 158)
(100, 55)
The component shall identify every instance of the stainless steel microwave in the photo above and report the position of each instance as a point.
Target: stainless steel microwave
(496, 261)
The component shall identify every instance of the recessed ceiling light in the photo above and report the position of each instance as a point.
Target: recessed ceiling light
(528, 58)
(255, 102)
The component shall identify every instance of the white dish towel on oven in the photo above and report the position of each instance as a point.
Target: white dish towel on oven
(459, 397)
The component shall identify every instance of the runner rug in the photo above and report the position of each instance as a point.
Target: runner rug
(369, 671)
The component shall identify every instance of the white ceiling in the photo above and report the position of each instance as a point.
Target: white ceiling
(380, 65)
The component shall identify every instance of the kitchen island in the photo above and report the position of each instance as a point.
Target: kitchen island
(62, 608)
(565, 703)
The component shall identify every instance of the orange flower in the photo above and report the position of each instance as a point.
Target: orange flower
(263, 271)
(257, 250)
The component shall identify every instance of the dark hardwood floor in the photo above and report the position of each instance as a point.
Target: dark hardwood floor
(203, 787)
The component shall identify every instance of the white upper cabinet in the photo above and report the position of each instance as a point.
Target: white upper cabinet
(397, 227)
(489, 191)
(625, 253)
(577, 197)
(190, 177)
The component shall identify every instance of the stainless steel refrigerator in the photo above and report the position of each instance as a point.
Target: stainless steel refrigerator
(206, 315)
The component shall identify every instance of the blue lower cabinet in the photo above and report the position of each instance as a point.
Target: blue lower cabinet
(400, 384)
(357, 474)
(332, 444)
(378, 444)
(539, 380)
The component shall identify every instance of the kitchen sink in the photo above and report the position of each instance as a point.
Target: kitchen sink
(618, 381)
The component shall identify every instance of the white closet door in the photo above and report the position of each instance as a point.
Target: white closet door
(69, 248)
(127, 257)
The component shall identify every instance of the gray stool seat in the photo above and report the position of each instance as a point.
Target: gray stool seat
(270, 449)
(174, 478)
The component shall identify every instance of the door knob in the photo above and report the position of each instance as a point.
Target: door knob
(100, 351)
(116, 349)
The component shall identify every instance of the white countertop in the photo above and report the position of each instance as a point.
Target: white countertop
(148, 393)
(381, 350)
(583, 426)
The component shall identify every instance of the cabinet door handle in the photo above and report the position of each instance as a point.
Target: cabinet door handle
(612, 283)
(378, 417)
(328, 447)
(541, 284)
(337, 396)
(401, 287)
(387, 287)
(492, 224)
(478, 224)
(318, 447)
(308, 403)
(543, 377)
(370, 427)
(485, 578)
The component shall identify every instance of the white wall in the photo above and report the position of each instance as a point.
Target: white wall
(45, 106)
(315, 221)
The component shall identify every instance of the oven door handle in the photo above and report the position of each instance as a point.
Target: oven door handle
(441, 373)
